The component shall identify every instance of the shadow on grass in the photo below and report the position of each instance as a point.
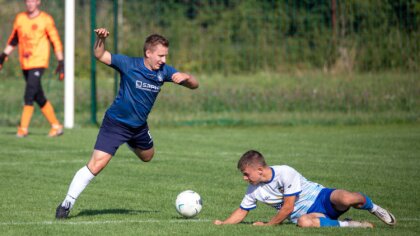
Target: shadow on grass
(37, 134)
(247, 223)
(185, 218)
(251, 222)
(113, 212)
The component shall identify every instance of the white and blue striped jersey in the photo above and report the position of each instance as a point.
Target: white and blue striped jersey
(285, 181)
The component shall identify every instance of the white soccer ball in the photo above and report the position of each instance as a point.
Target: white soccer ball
(188, 203)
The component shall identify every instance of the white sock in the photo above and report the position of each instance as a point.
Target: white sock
(80, 180)
(374, 208)
(343, 223)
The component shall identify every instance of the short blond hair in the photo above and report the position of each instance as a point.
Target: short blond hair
(154, 40)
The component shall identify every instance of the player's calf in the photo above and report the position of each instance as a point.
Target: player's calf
(308, 222)
(314, 221)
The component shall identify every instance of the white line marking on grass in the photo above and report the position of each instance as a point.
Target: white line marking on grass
(48, 162)
(46, 151)
(408, 219)
(54, 162)
(66, 222)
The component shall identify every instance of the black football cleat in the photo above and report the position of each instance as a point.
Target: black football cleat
(62, 212)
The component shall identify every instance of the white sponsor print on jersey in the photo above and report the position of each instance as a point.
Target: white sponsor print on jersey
(147, 86)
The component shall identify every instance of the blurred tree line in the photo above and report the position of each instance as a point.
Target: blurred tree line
(241, 36)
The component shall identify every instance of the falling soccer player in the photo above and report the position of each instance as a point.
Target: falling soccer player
(303, 202)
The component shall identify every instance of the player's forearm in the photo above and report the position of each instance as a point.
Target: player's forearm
(185, 79)
(59, 56)
(236, 217)
(280, 216)
(9, 49)
(6, 52)
(191, 82)
(99, 47)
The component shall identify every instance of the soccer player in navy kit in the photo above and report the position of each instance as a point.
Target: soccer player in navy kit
(126, 120)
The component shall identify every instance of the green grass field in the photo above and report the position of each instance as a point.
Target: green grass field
(134, 198)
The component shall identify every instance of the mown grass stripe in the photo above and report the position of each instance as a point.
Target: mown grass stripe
(106, 222)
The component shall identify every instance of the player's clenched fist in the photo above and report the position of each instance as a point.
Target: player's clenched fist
(102, 32)
(179, 77)
(218, 222)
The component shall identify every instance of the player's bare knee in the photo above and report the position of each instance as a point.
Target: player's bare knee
(146, 155)
(306, 222)
(95, 167)
(146, 158)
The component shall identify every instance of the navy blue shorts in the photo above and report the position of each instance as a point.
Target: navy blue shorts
(323, 205)
(113, 134)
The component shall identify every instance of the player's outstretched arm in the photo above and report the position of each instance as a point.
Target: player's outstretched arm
(5, 54)
(236, 217)
(99, 48)
(185, 79)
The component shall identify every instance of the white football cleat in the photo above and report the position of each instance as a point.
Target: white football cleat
(385, 216)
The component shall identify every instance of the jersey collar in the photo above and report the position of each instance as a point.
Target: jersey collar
(272, 175)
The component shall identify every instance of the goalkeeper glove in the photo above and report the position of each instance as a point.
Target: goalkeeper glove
(60, 70)
(3, 57)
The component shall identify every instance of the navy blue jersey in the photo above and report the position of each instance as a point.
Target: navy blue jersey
(139, 88)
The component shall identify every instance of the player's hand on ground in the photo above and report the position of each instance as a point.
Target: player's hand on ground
(60, 70)
(218, 222)
(102, 32)
(259, 223)
(180, 77)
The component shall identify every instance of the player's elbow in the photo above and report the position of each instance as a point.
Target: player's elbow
(194, 86)
(104, 57)
(193, 83)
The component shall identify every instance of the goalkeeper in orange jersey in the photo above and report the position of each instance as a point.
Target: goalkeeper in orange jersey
(33, 30)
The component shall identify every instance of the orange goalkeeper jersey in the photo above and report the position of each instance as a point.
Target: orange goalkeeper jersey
(33, 36)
